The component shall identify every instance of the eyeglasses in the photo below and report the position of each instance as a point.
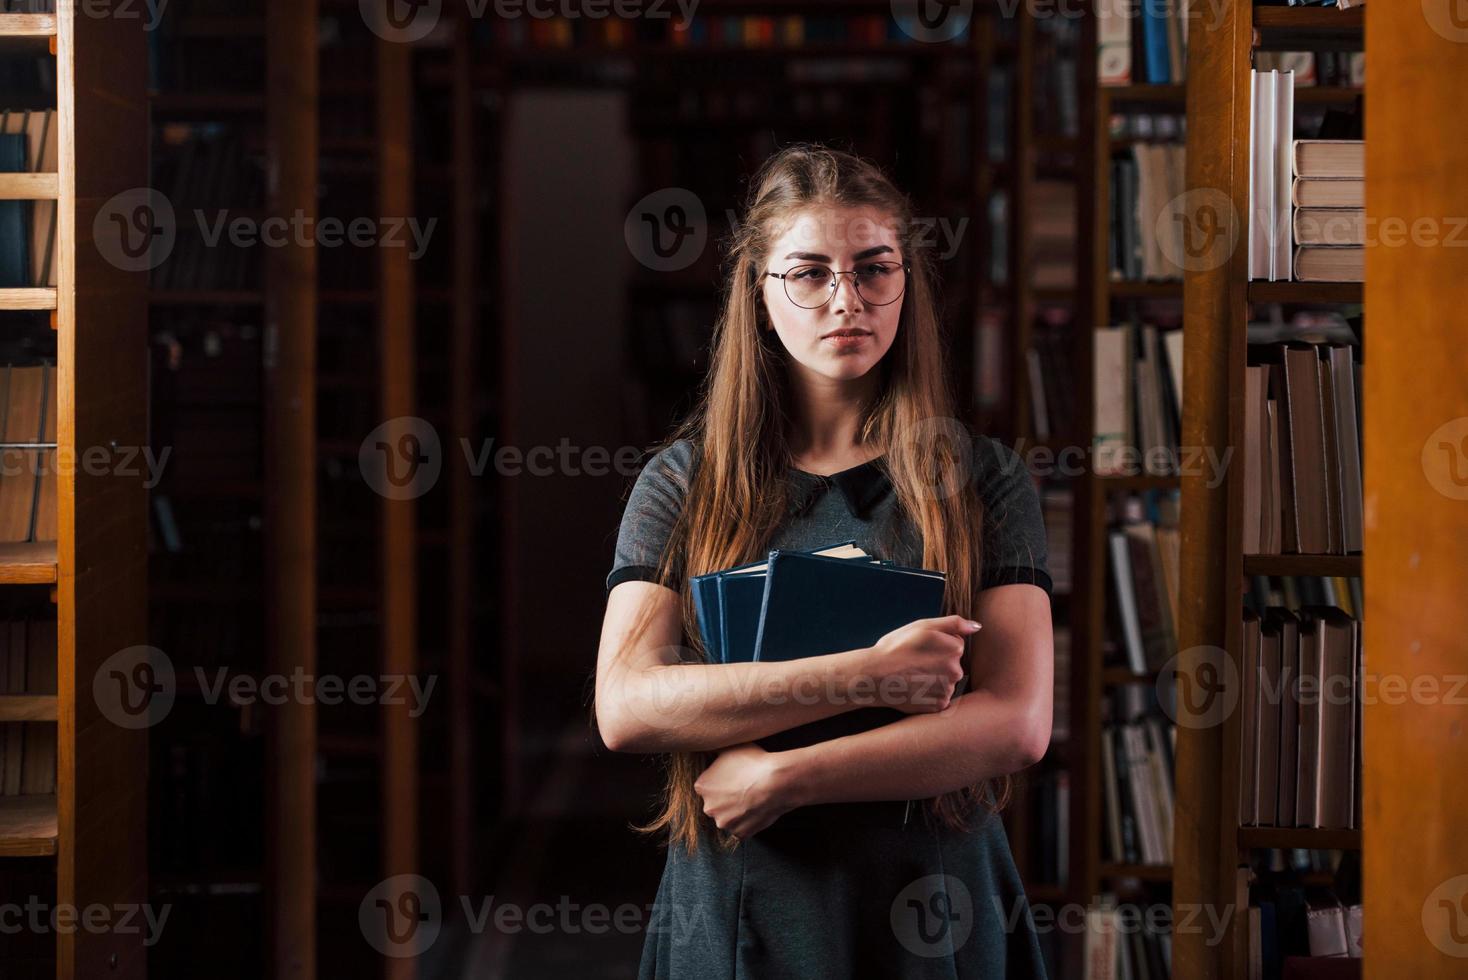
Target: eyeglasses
(812, 286)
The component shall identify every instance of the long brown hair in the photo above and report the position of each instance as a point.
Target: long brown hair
(737, 493)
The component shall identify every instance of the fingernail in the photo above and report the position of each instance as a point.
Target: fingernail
(973, 625)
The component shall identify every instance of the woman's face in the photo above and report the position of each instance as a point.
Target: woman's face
(845, 338)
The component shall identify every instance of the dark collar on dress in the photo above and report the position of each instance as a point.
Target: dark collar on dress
(862, 486)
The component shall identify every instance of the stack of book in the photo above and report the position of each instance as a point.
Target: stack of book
(28, 228)
(1300, 718)
(1138, 375)
(1295, 934)
(808, 603)
(1329, 194)
(1302, 452)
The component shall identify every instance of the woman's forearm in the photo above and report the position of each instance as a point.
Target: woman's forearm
(703, 707)
(979, 736)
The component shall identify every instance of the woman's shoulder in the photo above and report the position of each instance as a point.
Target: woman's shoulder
(673, 463)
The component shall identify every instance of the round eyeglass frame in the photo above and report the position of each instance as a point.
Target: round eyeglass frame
(836, 283)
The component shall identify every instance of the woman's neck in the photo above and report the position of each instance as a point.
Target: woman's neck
(827, 420)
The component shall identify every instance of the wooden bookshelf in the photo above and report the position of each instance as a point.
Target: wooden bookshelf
(1417, 541)
(87, 830)
(1210, 845)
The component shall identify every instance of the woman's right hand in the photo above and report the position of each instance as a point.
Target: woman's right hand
(916, 667)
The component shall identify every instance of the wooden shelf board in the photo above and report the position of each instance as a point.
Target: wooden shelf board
(27, 26)
(1146, 872)
(1303, 28)
(28, 563)
(1310, 838)
(28, 299)
(27, 826)
(1145, 290)
(1324, 565)
(1306, 292)
(27, 707)
(1146, 93)
(28, 187)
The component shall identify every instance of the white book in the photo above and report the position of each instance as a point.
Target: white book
(1284, 142)
(1261, 174)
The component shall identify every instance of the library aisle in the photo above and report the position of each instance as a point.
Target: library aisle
(455, 457)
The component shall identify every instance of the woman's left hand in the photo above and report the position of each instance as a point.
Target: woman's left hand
(743, 790)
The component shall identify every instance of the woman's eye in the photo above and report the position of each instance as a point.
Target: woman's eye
(813, 275)
(874, 271)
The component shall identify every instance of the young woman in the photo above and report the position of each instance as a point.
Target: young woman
(827, 418)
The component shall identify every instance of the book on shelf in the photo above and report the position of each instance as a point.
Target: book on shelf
(1137, 387)
(1050, 363)
(1053, 235)
(1330, 234)
(1143, 562)
(1271, 135)
(1300, 718)
(1120, 944)
(1143, 42)
(1302, 452)
(1144, 244)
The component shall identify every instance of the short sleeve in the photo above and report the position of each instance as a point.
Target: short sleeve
(1015, 549)
(652, 510)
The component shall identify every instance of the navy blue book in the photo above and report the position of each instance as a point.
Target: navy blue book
(733, 641)
(815, 605)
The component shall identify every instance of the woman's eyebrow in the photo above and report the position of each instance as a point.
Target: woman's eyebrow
(863, 254)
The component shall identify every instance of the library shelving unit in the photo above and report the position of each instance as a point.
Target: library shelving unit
(81, 845)
(1211, 846)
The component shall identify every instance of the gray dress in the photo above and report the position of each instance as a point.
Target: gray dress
(846, 890)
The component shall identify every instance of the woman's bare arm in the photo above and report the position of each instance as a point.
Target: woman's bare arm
(649, 700)
(999, 727)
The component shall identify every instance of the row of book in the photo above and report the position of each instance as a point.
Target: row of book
(1300, 721)
(28, 475)
(1307, 197)
(1144, 560)
(1142, 42)
(1121, 943)
(211, 180)
(1050, 820)
(1137, 785)
(1329, 69)
(27, 666)
(1293, 936)
(1303, 452)
(1138, 378)
(1050, 366)
(28, 228)
(1142, 244)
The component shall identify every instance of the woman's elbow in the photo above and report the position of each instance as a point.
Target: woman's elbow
(618, 731)
(1032, 735)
